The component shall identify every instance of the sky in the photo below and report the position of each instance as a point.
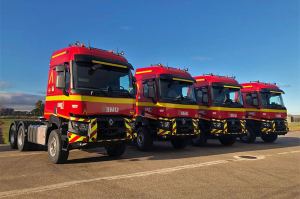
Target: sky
(249, 39)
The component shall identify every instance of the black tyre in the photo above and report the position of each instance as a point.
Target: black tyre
(269, 138)
(227, 140)
(250, 136)
(200, 140)
(55, 152)
(144, 140)
(179, 143)
(13, 136)
(115, 150)
(22, 142)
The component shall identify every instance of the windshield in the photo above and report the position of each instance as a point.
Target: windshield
(103, 80)
(227, 96)
(271, 100)
(177, 91)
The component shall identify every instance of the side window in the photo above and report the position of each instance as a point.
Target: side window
(249, 99)
(146, 90)
(202, 95)
(252, 99)
(67, 79)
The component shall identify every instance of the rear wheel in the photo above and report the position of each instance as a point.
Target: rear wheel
(144, 140)
(115, 150)
(250, 136)
(227, 140)
(179, 143)
(200, 140)
(13, 136)
(22, 142)
(55, 152)
(269, 138)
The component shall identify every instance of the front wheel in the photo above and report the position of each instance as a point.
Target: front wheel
(179, 143)
(250, 136)
(144, 140)
(227, 140)
(200, 140)
(269, 138)
(115, 150)
(13, 136)
(56, 153)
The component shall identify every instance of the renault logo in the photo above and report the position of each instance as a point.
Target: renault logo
(110, 122)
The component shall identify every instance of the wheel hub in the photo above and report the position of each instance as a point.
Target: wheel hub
(20, 138)
(53, 145)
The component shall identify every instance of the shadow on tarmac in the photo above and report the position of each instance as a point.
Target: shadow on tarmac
(165, 151)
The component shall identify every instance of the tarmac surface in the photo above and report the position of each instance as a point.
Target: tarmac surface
(257, 170)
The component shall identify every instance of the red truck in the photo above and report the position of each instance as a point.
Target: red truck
(166, 107)
(221, 109)
(265, 112)
(90, 101)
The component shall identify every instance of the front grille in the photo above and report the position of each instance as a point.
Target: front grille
(280, 125)
(234, 126)
(184, 126)
(111, 128)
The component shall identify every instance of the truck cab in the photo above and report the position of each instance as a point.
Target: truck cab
(166, 106)
(266, 114)
(221, 111)
(90, 102)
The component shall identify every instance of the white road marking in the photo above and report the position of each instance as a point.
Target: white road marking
(287, 152)
(132, 175)
(126, 176)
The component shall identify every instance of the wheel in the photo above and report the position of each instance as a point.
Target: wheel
(144, 140)
(55, 152)
(115, 150)
(13, 136)
(227, 140)
(22, 142)
(269, 138)
(179, 143)
(200, 140)
(250, 136)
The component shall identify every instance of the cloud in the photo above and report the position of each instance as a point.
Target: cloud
(4, 85)
(19, 101)
(201, 58)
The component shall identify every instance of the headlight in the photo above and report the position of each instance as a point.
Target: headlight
(165, 124)
(80, 128)
(266, 124)
(217, 125)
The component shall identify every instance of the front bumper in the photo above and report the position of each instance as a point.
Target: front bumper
(100, 130)
(277, 126)
(227, 127)
(179, 127)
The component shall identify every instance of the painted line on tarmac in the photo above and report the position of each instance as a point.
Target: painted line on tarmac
(288, 152)
(19, 192)
(117, 177)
